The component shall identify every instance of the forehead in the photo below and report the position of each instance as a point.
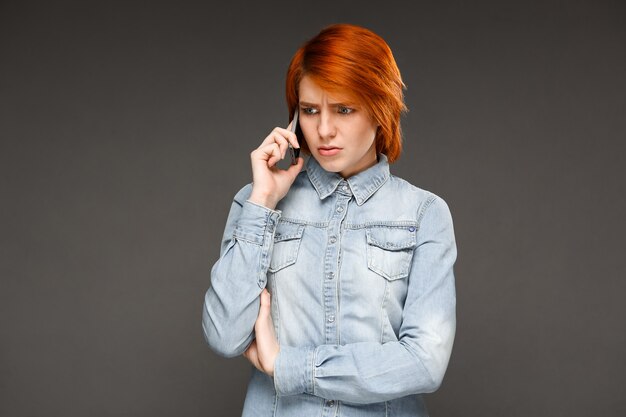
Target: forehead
(311, 92)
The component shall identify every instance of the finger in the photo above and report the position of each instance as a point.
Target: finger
(268, 150)
(285, 134)
(277, 155)
(283, 144)
(291, 136)
(270, 153)
(252, 354)
(277, 134)
(264, 311)
(275, 138)
(294, 169)
(264, 322)
(266, 304)
(265, 301)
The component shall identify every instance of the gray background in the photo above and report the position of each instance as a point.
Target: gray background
(126, 130)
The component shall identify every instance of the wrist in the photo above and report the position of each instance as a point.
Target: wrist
(263, 200)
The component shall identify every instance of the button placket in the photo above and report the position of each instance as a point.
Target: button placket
(331, 265)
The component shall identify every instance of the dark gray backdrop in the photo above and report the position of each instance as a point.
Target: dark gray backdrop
(126, 130)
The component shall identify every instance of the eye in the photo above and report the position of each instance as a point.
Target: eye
(344, 110)
(309, 110)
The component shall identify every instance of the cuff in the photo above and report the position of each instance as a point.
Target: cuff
(293, 371)
(256, 222)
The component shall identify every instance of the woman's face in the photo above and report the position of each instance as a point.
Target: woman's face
(340, 135)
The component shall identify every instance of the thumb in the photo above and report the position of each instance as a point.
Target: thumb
(264, 316)
(265, 303)
(293, 170)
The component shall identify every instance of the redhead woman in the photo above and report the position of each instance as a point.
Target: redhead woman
(335, 277)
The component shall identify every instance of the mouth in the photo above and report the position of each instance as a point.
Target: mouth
(328, 150)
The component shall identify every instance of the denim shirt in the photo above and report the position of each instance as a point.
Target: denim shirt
(363, 296)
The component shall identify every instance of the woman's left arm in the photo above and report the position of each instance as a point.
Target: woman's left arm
(371, 372)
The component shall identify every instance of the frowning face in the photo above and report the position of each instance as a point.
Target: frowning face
(340, 134)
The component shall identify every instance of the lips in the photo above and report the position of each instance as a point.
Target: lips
(328, 150)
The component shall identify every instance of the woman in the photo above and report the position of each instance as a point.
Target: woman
(358, 262)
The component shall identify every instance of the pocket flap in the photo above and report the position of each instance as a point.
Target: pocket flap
(288, 231)
(392, 238)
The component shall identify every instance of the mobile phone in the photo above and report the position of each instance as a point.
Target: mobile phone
(295, 128)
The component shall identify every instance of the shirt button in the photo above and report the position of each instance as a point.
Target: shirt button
(330, 403)
(333, 239)
(331, 275)
(331, 318)
(345, 188)
(339, 209)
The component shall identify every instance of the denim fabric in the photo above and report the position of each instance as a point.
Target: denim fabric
(363, 296)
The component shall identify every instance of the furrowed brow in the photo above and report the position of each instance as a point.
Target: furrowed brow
(307, 104)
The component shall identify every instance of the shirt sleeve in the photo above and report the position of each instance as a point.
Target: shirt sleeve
(369, 372)
(231, 304)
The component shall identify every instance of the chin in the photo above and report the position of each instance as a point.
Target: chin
(331, 166)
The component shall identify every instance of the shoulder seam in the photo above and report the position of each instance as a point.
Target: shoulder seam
(429, 202)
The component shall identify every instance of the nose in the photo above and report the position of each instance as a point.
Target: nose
(326, 127)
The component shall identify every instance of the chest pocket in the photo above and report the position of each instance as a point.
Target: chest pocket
(390, 250)
(287, 238)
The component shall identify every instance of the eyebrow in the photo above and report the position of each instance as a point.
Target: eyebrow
(307, 104)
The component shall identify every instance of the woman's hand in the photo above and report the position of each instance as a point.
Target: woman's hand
(270, 183)
(263, 351)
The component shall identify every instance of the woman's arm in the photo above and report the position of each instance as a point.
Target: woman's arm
(371, 372)
(231, 304)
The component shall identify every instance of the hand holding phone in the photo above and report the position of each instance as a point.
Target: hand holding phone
(271, 182)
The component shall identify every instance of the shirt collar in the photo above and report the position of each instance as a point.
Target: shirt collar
(363, 185)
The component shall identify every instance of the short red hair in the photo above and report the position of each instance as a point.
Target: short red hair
(353, 61)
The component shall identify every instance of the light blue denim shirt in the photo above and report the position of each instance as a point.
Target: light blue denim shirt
(363, 296)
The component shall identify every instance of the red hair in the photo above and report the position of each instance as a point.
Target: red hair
(355, 62)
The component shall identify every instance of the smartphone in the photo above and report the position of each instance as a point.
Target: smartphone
(294, 152)
(295, 128)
